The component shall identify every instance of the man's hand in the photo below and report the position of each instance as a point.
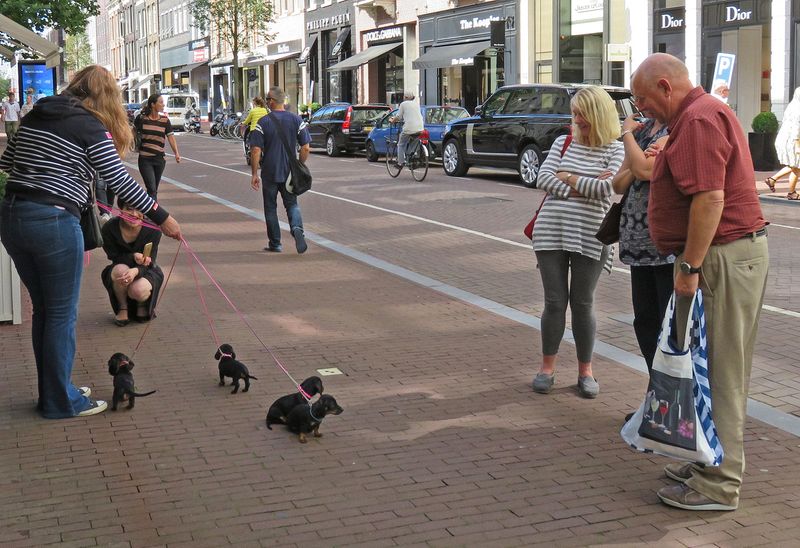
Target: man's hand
(177, 158)
(171, 228)
(631, 123)
(686, 284)
(255, 181)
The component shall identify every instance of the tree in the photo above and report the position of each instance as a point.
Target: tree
(232, 20)
(77, 53)
(5, 85)
(70, 15)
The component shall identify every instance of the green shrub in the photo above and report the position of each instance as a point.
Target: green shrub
(303, 108)
(315, 107)
(765, 122)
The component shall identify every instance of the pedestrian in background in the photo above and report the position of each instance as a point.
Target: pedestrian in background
(257, 111)
(27, 107)
(578, 187)
(10, 113)
(787, 145)
(85, 126)
(704, 208)
(275, 171)
(155, 130)
(651, 272)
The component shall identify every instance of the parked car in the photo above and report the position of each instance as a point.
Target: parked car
(343, 126)
(435, 118)
(132, 109)
(516, 127)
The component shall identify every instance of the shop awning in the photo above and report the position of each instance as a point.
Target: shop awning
(340, 40)
(271, 59)
(143, 82)
(39, 44)
(365, 56)
(6, 54)
(190, 67)
(307, 51)
(450, 56)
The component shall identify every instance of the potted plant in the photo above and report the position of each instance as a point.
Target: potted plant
(762, 142)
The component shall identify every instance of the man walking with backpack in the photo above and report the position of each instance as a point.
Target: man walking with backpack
(276, 168)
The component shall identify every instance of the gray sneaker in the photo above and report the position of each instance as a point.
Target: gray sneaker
(543, 383)
(588, 387)
(679, 471)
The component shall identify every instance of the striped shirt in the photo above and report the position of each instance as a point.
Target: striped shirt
(154, 135)
(570, 223)
(56, 153)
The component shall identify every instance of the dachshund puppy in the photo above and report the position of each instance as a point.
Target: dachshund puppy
(119, 367)
(304, 418)
(281, 407)
(229, 366)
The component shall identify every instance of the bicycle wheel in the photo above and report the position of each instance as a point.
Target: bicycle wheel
(391, 158)
(418, 163)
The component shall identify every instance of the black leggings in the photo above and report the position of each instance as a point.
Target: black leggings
(151, 168)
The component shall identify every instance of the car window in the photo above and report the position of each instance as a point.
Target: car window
(553, 101)
(384, 121)
(524, 101)
(367, 114)
(338, 113)
(495, 103)
(319, 114)
(179, 101)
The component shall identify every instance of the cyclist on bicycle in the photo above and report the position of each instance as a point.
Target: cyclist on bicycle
(255, 114)
(411, 116)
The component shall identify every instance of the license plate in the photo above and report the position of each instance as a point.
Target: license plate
(367, 129)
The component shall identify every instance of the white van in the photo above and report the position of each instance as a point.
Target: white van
(175, 105)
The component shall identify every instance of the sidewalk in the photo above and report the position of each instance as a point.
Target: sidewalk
(441, 440)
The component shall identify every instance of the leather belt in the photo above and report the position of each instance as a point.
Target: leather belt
(753, 235)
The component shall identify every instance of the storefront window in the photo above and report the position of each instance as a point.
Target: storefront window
(252, 85)
(451, 86)
(287, 75)
(393, 78)
(580, 41)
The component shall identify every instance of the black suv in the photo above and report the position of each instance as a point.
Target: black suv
(343, 126)
(516, 127)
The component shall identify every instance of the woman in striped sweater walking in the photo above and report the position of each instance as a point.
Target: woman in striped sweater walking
(578, 187)
(51, 164)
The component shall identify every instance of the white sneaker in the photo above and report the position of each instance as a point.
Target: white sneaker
(85, 391)
(97, 407)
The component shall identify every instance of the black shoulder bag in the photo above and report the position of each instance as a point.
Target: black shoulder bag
(90, 222)
(608, 233)
(299, 179)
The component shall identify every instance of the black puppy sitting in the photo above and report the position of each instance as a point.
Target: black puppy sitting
(229, 366)
(281, 407)
(304, 418)
(119, 367)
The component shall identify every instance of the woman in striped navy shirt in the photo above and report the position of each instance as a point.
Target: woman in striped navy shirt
(578, 187)
(155, 130)
(51, 163)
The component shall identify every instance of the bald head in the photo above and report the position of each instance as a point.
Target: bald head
(660, 84)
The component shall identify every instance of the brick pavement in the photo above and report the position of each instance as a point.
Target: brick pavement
(441, 443)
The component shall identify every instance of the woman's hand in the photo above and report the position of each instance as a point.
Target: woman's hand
(653, 150)
(631, 124)
(141, 259)
(605, 175)
(128, 276)
(171, 228)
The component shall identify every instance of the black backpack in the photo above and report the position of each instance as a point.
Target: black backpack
(299, 179)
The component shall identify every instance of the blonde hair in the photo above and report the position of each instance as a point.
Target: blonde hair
(97, 90)
(598, 108)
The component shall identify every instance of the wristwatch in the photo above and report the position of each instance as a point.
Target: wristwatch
(686, 268)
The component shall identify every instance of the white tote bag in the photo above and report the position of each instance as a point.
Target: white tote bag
(674, 419)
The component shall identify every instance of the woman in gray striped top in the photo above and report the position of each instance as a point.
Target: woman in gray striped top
(578, 187)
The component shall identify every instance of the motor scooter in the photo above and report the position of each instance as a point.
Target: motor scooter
(219, 119)
(191, 121)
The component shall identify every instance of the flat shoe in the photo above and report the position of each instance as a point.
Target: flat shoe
(85, 391)
(588, 387)
(121, 323)
(97, 407)
(543, 383)
(793, 196)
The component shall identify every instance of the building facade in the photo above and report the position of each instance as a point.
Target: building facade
(184, 52)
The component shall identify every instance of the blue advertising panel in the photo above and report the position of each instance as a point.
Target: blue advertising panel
(36, 79)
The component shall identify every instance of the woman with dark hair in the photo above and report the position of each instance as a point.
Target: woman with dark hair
(133, 279)
(155, 130)
(51, 163)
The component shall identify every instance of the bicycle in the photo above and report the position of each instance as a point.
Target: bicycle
(417, 156)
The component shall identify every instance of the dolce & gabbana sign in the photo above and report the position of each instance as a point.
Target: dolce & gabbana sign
(388, 34)
(329, 22)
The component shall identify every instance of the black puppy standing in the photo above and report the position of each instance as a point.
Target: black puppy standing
(119, 367)
(305, 418)
(229, 366)
(281, 407)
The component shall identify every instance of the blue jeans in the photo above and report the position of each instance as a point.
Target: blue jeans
(46, 245)
(270, 192)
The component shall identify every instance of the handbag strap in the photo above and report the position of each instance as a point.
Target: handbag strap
(670, 319)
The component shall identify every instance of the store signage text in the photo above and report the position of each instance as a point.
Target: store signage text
(670, 22)
(387, 34)
(461, 61)
(333, 21)
(732, 13)
(476, 23)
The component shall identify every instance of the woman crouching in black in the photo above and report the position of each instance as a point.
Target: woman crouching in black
(133, 279)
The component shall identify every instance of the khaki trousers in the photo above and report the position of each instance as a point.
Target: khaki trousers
(733, 281)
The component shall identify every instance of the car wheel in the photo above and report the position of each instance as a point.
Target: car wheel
(530, 160)
(372, 156)
(453, 159)
(330, 147)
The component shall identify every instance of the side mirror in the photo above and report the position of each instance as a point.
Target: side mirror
(479, 110)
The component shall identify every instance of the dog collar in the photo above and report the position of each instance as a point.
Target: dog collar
(312, 414)
(223, 355)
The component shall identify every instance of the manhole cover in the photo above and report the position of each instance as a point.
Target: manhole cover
(329, 371)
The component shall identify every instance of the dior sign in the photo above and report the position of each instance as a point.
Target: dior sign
(670, 22)
(733, 13)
